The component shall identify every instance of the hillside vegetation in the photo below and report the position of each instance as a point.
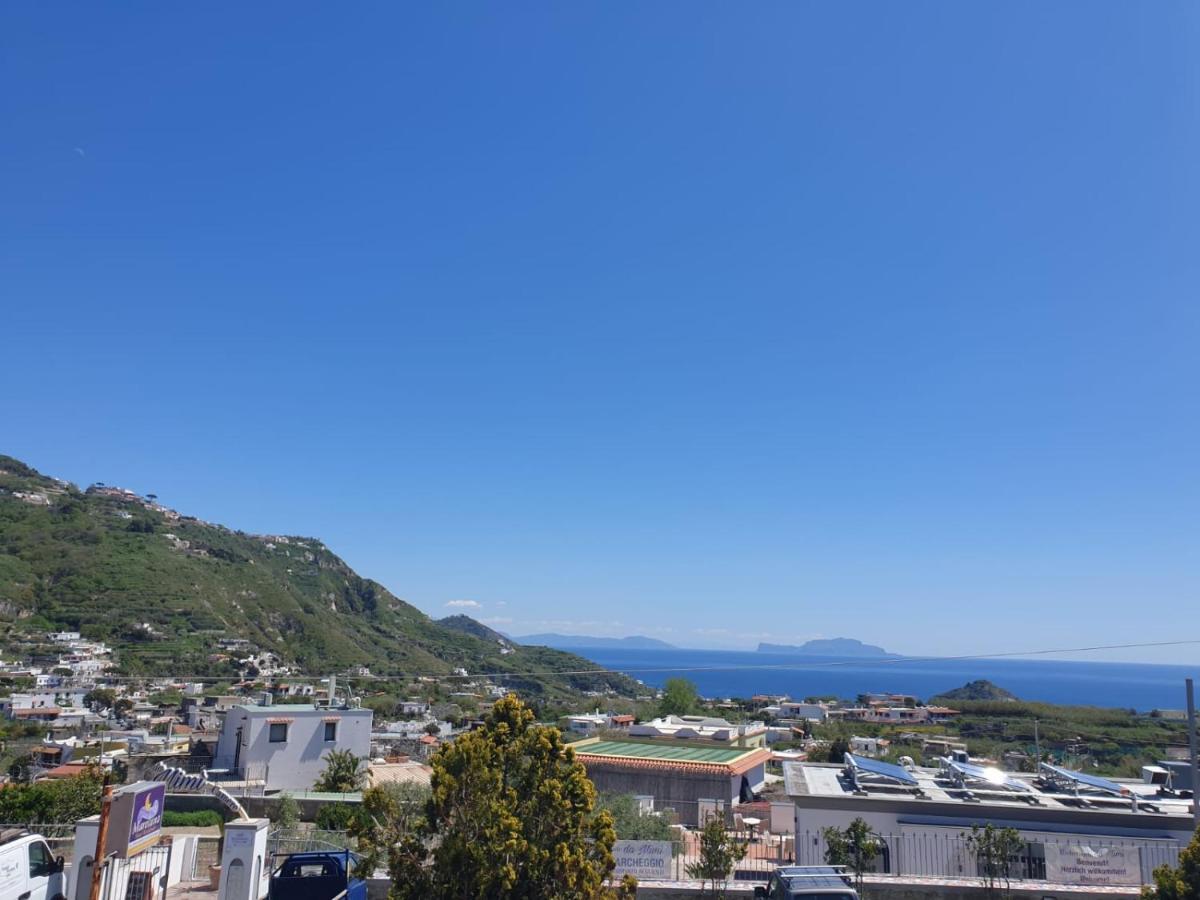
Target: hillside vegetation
(981, 689)
(164, 589)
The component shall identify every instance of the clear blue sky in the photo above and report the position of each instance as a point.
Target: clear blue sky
(712, 322)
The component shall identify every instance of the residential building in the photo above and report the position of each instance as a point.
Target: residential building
(284, 747)
(703, 729)
(794, 709)
(688, 778)
(869, 746)
(1123, 828)
(587, 723)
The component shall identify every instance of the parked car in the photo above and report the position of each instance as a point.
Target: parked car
(318, 875)
(28, 870)
(809, 882)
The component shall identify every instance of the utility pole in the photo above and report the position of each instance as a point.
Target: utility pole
(1037, 747)
(1191, 714)
(101, 840)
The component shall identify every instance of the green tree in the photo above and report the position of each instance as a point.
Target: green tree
(630, 823)
(391, 815)
(1180, 882)
(338, 816)
(994, 848)
(287, 812)
(720, 851)
(856, 847)
(679, 698)
(344, 772)
(52, 802)
(100, 698)
(511, 815)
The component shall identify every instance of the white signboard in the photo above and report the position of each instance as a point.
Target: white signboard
(645, 860)
(1081, 864)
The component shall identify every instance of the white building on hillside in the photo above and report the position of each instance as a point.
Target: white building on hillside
(284, 747)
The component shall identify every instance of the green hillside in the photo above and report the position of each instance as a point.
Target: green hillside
(110, 564)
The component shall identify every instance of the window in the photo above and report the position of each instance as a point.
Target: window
(41, 863)
(331, 731)
(278, 733)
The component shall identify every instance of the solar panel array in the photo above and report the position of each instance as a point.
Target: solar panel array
(1092, 781)
(990, 777)
(863, 764)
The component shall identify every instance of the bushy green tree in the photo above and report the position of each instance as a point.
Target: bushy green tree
(1180, 882)
(52, 802)
(679, 698)
(511, 815)
(338, 816)
(630, 823)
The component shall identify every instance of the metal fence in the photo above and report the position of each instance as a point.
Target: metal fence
(946, 856)
(307, 840)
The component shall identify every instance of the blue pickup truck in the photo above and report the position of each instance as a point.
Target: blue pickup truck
(317, 875)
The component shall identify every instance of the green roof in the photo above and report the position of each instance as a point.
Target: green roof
(668, 752)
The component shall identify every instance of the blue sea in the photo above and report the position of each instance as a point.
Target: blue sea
(720, 673)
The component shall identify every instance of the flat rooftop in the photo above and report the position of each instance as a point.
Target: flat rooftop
(810, 783)
(671, 752)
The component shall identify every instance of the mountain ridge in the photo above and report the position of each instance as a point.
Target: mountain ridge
(108, 562)
(845, 647)
(583, 641)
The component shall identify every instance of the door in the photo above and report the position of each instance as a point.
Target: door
(44, 877)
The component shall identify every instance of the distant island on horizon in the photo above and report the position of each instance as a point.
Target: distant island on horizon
(559, 641)
(847, 647)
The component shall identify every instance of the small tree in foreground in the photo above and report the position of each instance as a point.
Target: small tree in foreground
(391, 814)
(994, 848)
(287, 812)
(856, 847)
(1180, 882)
(720, 851)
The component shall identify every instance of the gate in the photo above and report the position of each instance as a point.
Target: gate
(141, 877)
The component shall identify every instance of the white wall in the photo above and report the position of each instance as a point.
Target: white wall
(296, 763)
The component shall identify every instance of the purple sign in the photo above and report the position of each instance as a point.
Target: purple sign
(146, 821)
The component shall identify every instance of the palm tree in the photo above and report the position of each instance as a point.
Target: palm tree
(343, 773)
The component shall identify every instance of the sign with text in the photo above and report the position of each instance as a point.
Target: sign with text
(1083, 864)
(135, 819)
(645, 860)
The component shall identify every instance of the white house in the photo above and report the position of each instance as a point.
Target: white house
(794, 709)
(587, 723)
(869, 746)
(703, 728)
(285, 746)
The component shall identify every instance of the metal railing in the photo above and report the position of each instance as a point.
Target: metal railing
(943, 856)
(307, 840)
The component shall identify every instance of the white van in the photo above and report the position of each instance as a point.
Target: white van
(28, 870)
